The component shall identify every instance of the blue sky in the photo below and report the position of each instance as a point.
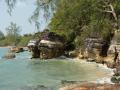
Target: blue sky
(20, 15)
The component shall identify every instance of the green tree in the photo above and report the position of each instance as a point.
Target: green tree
(79, 19)
(13, 33)
(1, 35)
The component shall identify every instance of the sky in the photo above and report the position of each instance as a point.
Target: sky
(20, 15)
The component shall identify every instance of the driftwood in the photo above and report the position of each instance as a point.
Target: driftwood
(112, 11)
(109, 8)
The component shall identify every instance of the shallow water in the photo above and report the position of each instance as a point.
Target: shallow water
(23, 73)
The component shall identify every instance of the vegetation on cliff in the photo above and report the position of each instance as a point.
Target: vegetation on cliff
(81, 19)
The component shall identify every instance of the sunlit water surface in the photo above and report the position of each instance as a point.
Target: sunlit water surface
(23, 73)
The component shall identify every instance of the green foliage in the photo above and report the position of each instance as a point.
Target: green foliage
(83, 19)
(24, 40)
(71, 16)
(13, 33)
(1, 35)
(21, 40)
(4, 42)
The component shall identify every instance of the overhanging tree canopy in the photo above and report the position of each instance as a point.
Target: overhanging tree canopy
(77, 19)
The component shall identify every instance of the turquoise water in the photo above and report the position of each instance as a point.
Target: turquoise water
(23, 73)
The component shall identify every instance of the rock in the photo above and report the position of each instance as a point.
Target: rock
(91, 86)
(110, 64)
(9, 56)
(16, 49)
(115, 79)
(48, 53)
(65, 82)
(73, 54)
(50, 45)
(90, 60)
(36, 87)
(35, 52)
(117, 72)
(97, 47)
(33, 47)
(25, 48)
(81, 56)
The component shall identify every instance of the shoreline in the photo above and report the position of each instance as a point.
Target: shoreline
(104, 83)
(5, 46)
(103, 80)
(11, 46)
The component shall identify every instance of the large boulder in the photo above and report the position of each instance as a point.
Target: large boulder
(49, 45)
(97, 48)
(50, 49)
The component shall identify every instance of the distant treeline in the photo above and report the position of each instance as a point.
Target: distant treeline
(13, 36)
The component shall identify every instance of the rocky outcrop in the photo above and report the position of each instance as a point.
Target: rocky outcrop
(15, 49)
(97, 48)
(105, 52)
(9, 56)
(49, 45)
(91, 86)
(50, 49)
(93, 48)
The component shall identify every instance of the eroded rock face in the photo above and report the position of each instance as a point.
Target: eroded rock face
(35, 52)
(33, 47)
(48, 53)
(50, 45)
(50, 49)
(93, 48)
(97, 48)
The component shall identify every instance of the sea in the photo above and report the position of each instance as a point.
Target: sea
(23, 73)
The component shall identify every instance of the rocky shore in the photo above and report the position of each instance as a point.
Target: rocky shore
(12, 50)
(112, 84)
(112, 61)
(91, 86)
(99, 50)
(107, 83)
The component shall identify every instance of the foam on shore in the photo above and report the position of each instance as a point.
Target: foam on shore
(103, 80)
